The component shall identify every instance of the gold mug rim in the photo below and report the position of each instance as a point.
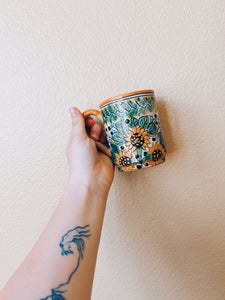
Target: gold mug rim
(123, 96)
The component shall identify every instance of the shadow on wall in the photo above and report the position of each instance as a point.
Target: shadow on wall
(173, 237)
(171, 143)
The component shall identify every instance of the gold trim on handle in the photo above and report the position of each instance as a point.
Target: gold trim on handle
(93, 112)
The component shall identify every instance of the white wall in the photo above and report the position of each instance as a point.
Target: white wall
(164, 228)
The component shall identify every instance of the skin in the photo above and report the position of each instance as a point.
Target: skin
(83, 202)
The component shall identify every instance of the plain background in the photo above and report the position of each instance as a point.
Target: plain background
(164, 228)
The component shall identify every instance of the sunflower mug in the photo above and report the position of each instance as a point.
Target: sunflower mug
(133, 130)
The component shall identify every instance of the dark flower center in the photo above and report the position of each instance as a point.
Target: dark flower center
(156, 155)
(137, 140)
(124, 161)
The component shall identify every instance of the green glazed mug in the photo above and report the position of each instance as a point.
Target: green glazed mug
(133, 130)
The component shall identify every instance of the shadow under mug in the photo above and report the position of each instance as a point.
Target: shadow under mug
(133, 130)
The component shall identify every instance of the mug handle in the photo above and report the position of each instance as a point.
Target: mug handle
(99, 145)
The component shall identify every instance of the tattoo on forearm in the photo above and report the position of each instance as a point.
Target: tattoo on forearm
(73, 236)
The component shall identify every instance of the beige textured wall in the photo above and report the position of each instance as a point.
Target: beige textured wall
(164, 228)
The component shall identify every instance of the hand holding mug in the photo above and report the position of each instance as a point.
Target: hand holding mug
(133, 130)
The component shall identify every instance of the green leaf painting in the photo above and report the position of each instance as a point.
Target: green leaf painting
(112, 109)
(118, 138)
(115, 148)
(152, 129)
(132, 112)
(143, 121)
(126, 106)
(151, 102)
(147, 157)
(141, 102)
(133, 122)
(113, 118)
(118, 107)
(141, 110)
(133, 104)
(107, 112)
(121, 127)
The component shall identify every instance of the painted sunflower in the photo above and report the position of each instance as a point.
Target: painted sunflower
(158, 154)
(137, 138)
(123, 160)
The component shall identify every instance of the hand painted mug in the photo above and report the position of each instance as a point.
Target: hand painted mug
(133, 130)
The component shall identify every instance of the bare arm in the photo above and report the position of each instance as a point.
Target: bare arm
(61, 264)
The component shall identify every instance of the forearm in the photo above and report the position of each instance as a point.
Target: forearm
(63, 259)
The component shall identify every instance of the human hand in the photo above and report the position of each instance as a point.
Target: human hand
(88, 166)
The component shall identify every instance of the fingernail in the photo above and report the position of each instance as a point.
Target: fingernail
(73, 112)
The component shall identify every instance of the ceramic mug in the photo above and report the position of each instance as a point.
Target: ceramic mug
(133, 130)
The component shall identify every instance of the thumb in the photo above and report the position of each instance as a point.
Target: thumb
(78, 130)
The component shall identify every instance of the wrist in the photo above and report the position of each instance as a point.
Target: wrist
(88, 186)
(87, 199)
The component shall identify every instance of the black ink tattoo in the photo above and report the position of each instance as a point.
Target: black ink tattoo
(76, 236)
